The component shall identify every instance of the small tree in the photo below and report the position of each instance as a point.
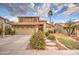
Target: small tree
(70, 27)
(37, 40)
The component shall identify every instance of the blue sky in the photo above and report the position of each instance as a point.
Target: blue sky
(62, 12)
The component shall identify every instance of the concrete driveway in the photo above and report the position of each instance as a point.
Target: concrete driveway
(16, 42)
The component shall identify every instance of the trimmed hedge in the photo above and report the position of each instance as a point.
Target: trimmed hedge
(37, 41)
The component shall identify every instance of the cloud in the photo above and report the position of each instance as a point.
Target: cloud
(39, 9)
(42, 9)
(14, 19)
(14, 9)
(55, 7)
(72, 8)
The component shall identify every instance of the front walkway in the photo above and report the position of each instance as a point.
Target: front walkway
(51, 45)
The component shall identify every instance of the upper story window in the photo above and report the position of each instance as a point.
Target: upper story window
(20, 19)
(28, 19)
(35, 20)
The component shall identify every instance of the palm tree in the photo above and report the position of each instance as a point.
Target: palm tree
(50, 13)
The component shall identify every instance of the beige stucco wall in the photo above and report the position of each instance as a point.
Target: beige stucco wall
(48, 27)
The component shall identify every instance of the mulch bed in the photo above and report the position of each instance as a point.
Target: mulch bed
(30, 48)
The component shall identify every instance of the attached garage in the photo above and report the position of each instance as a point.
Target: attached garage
(24, 30)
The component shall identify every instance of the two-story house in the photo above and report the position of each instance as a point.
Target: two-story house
(30, 24)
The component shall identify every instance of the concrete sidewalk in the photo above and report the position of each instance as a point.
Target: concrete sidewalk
(40, 52)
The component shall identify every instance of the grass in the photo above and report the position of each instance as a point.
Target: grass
(68, 42)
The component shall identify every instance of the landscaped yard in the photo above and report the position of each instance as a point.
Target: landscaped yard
(67, 41)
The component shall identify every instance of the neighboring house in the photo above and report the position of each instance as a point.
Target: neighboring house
(4, 21)
(30, 24)
(59, 28)
(62, 25)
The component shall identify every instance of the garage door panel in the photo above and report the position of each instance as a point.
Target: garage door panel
(27, 31)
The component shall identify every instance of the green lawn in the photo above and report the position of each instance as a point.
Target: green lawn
(67, 41)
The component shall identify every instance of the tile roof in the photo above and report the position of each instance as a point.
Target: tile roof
(27, 16)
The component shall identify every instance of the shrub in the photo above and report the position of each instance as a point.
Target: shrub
(7, 31)
(48, 32)
(12, 32)
(51, 37)
(37, 40)
(0, 31)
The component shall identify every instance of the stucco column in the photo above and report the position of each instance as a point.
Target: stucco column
(3, 29)
(76, 31)
(36, 28)
(44, 27)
